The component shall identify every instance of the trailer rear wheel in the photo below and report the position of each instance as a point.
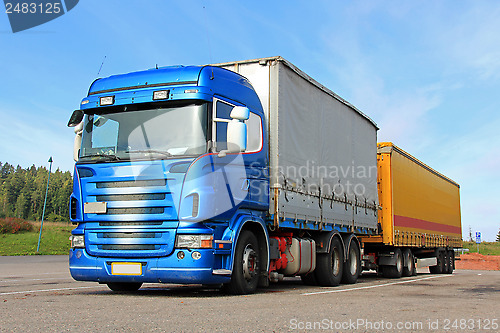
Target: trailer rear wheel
(329, 265)
(439, 268)
(245, 277)
(352, 265)
(395, 271)
(124, 286)
(450, 261)
(410, 269)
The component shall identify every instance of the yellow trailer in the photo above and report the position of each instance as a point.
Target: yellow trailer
(419, 214)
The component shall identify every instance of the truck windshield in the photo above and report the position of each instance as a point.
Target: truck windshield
(154, 133)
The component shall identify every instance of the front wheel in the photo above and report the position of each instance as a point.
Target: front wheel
(245, 277)
(124, 286)
(394, 272)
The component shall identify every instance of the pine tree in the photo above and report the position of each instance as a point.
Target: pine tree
(498, 236)
(22, 192)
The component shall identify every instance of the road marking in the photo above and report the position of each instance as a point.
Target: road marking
(16, 276)
(45, 290)
(58, 278)
(375, 286)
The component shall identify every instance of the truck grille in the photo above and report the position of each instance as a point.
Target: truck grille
(132, 202)
(139, 220)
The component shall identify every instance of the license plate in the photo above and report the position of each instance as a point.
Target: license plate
(126, 268)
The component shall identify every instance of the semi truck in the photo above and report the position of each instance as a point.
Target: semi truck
(239, 174)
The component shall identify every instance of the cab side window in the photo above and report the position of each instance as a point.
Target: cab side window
(222, 118)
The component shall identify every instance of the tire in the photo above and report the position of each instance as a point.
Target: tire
(409, 270)
(329, 265)
(124, 286)
(352, 264)
(439, 268)
(309, 279)
(245, 277)
(394, 272)
(446, 262)
(450, 262)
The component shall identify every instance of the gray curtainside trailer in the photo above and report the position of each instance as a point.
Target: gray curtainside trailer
(322, 151)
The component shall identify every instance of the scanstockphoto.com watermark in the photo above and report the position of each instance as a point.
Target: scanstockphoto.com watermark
(363, 324)
(26, 14)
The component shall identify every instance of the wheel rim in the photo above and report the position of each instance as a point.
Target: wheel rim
(399, 264)
(353, 266)
(250, 263)
(335, 262)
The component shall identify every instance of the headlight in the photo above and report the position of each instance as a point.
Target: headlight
(77, 241)
(194, 241)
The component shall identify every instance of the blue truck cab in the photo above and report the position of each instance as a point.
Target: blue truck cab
(170, 172)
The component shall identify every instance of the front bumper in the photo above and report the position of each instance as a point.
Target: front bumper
(84, 267)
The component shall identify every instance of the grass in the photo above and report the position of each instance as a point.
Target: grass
(55, 240)
(486, 248)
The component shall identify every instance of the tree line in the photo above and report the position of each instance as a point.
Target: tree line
(22, 193)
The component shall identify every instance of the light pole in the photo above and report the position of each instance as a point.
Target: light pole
(44, 204)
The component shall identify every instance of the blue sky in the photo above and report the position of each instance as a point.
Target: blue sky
(428, 72)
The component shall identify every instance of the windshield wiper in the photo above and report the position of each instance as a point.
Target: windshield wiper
(109, 157)
(166, 153)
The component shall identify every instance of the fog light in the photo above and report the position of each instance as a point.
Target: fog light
(77, 241)
(196, 255)
(180, 255)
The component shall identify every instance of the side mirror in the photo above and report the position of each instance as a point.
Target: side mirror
(237, 131)
(75, 118)
(240, 113)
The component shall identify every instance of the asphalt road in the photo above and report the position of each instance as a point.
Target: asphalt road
(37, 294)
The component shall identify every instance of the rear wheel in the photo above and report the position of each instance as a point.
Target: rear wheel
(329, 265)
(450, 261)
(352, 265)
(245, 277)
(124, 286)
(409, 269)
(439, 268)
(395, 271)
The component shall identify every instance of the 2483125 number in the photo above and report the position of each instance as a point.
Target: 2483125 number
(33, 8)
